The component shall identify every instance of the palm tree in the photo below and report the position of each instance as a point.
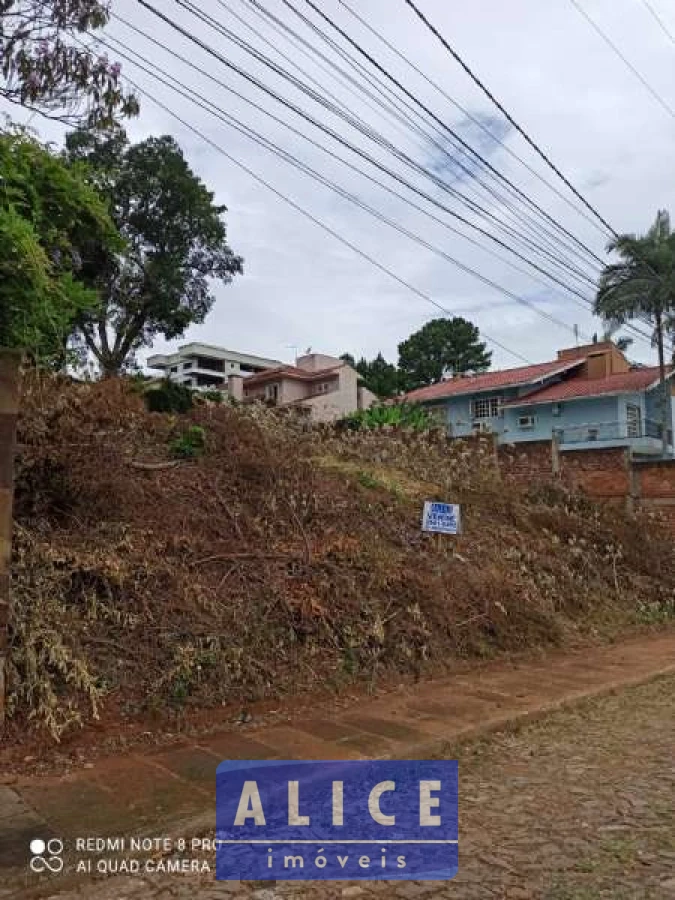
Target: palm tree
(642, 286)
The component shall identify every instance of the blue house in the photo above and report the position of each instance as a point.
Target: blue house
(589, 396)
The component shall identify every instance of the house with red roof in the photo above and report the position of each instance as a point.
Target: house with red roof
(321, 387)
(587, 396)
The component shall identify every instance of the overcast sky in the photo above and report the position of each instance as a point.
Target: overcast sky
(547, 66)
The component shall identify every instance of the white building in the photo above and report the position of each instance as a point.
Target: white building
(208, 367)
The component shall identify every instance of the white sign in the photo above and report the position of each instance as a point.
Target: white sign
(442, 518)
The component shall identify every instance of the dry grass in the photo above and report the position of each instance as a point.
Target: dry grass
(281, 558)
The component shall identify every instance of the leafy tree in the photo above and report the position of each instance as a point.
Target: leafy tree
(441, 348)
(642, 285)
(176, 244)
(378, 375)
(50, 218)
(45, 68)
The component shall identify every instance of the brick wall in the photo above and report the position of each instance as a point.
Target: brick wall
(610, 475)
(603, 473)
(527, 461)
(654, 488)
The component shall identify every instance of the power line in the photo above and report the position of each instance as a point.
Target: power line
(232, 122)
(285, 124)
(289, 201)
(358, 124)
(467, 113)
(385, 103)
(358, 202)
(610, 43)
(367, 131)
(451, 50)
(435, 118)
(660, 21)
(509, 117)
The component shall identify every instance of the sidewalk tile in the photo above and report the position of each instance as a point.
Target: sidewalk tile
(229, 745)
(194, 764)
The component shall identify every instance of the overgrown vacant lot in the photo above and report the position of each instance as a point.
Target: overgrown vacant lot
(279, 558)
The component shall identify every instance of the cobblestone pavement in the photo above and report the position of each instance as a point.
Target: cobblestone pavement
(578, 806)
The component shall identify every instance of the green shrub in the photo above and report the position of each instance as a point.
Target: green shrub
(189, 444)
(214, 396)
(169, 397)
(395, 415)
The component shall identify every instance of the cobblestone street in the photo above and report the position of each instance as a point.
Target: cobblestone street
(580, 805)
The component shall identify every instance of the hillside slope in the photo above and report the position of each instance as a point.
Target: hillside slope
(283, 557)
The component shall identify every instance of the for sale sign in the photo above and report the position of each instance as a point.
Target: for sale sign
(331, 821)
(442, 518)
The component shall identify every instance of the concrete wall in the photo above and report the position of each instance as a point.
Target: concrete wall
(9, 404)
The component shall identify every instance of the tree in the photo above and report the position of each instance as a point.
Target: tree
(50, 217)
(45, 68)
(176, 243)
(642, 285)
(443, 347)
(379, 376)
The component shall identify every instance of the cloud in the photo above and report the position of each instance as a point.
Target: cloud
(302, 286)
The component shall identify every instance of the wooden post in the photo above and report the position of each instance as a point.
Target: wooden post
(9, 407)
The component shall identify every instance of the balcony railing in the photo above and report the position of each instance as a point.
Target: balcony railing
(610, 431)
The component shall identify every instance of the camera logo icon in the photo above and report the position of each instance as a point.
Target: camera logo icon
(46, 856)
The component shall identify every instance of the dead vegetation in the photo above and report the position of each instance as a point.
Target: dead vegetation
(280, 557)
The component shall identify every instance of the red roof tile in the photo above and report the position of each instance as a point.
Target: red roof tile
(622, 382)
(289, 372)
(492, 380)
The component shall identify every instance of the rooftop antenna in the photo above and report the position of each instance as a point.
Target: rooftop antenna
(576, 335)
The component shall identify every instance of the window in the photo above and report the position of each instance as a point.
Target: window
(593, 434)
(633, 420)
(526, 422)
(187, 366)
(486, 407)
(210, 364)
(322, 388)
(272, 392)
(556, 409)
(173, 369)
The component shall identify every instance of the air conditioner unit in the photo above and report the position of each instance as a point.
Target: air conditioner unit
(526, 422)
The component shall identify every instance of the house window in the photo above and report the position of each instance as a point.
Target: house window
(526, 422)
(173, 369)
(322, 388)
(210, 364)
(187, 366)
(485, 407)
(633, 420)
(272, 392)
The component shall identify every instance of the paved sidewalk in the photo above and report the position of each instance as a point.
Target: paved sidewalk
(172, 792)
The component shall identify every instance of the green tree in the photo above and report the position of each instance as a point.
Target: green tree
(45, 68)
(378, 375)
(176, 245)
(441, 348)
(642, 285)
(50, 218)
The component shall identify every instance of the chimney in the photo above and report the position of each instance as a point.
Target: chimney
(235, 386)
